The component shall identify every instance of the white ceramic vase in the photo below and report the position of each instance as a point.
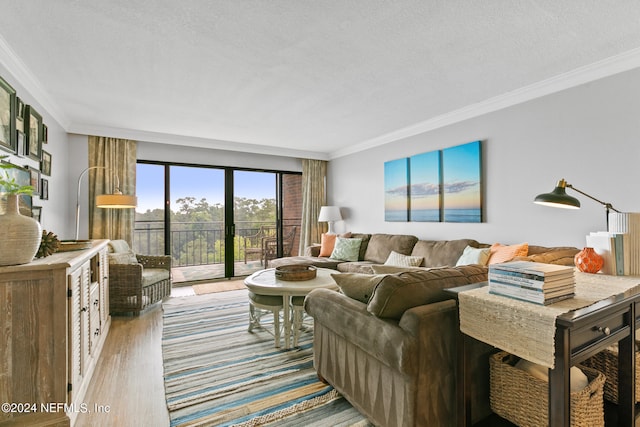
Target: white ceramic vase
(20, 235)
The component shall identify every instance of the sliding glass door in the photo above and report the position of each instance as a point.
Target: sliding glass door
(216, 222)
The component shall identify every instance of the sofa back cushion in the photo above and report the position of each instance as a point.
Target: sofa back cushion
(381, 245)
(396, 293)
(439, 253)
(363, 245)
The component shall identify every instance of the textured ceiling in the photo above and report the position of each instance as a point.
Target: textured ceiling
(318, 77)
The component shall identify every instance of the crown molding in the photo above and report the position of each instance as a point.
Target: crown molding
(14, 65)
(192, 141)
(598, 70)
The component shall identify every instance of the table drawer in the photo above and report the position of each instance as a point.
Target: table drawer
(596, 331)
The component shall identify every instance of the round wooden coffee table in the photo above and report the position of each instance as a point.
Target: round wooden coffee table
(264, 282)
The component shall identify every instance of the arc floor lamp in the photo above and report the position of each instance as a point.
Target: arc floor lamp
(116, 200)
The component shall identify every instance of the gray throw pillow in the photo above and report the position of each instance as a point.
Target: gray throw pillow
(399, 292)
(346, 249)
(358, 286)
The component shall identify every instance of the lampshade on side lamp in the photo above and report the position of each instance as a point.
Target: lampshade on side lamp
(330, 214)
(559, 198)
(117, 200)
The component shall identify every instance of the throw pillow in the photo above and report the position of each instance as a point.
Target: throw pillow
(400, 260)
(399, 292)
(357, 285)
(471, 255)
(502, 253)
(123, 258)
(328, 242)
(346, 249)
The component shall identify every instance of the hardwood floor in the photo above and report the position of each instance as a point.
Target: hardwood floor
(128, 380)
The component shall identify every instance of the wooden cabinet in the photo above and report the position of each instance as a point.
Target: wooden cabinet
(54, 319)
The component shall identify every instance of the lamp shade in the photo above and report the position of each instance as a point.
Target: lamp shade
(558, 198)
(329, 214)
(116, 201)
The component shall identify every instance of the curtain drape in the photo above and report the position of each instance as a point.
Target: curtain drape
(314, 176)
(118, 156)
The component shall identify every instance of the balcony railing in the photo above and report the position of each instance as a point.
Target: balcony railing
(195, 243)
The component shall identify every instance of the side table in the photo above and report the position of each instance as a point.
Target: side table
(264, 282)
(580, 334)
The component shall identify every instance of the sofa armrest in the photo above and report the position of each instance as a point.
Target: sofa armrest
(125, 276)
(155, 261)
(312, 250)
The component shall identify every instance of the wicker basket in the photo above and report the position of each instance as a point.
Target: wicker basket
(523, 399)
(607, 362)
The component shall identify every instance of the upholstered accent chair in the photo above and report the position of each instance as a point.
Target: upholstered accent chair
(136, 281)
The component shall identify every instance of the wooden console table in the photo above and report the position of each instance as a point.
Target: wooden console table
(579, 334)
(54, 320)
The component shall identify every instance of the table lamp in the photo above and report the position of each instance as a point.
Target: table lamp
(330, 214)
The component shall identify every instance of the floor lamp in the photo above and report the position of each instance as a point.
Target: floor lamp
(117, 200)
(559, 198)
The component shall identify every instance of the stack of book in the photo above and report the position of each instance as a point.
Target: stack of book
(533, 282)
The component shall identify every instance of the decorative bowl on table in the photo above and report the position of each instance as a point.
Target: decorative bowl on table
(295, 272)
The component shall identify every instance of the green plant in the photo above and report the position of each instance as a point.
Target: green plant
(8, 183)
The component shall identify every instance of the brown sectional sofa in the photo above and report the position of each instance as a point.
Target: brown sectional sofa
(387, 341)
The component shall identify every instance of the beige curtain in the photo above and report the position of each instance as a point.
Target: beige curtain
(118, 156)
(314, 176)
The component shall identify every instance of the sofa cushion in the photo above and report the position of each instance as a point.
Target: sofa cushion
(118, 246)
(122, 258)
(363, 245)
(504, 253)
(363, 267)
(356, 285)
(400, 260)
(346, 249)
(437, 253)
(151, 276)
(381, 245)
(398, 292)
(471, 255)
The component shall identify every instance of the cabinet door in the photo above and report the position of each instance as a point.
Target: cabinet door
(79, 325)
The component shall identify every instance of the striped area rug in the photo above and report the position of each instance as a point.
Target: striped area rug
(218, 374)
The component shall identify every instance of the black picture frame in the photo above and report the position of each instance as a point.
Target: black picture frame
(44, 189)
(45, 134)
(36, 213)
(45, 163)
(34, 178)
(19, 115)
(33, 128)
(20, 142)
(7, 117)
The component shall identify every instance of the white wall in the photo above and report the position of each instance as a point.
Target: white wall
(56, 210)
(588, 135)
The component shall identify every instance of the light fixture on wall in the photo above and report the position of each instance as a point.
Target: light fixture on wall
(117, 200)
(559, 198)
(330, 214)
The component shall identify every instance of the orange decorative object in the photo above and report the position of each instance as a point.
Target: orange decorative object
(588, 261)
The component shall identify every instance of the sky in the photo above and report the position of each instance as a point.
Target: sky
(198, 182)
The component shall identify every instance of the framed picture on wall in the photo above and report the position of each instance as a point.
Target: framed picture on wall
(462, 182)
(19, 115)
(33, 130)
(45, 163)
(45, 134)
(396, 190)
(44, 189)
(7, 117)
(36, 213)
(20, 141)
(34, 178)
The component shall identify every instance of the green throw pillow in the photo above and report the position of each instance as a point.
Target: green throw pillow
(346, 249)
